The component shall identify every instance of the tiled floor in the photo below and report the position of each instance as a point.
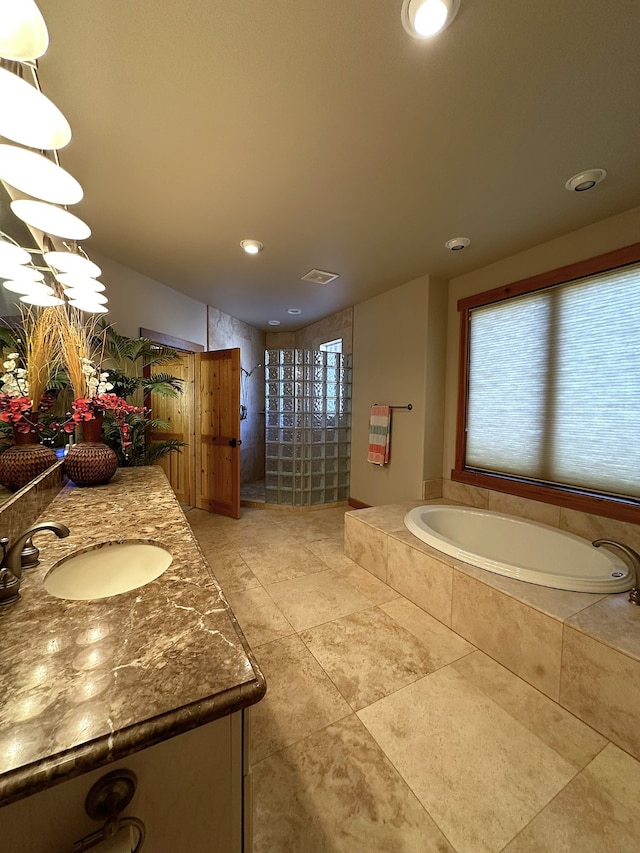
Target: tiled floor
(382, 731)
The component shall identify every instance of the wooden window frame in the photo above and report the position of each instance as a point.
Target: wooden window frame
(623, 509)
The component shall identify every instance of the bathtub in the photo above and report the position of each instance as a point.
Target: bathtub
(520, 549)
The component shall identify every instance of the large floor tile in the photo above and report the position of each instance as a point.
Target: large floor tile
(316, 598)
(480, 774)
(258, 615)
(335, 792)
(444, 644)
(273, 561)
(559, 729)
(300, 700)
(230, 570)
(619, 775)
(583, 817)
(375, 590)
(330, 551)
(369, 655)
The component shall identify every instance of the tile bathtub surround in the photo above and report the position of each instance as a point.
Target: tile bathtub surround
(87, 682)
(530, 629)
(454, 753)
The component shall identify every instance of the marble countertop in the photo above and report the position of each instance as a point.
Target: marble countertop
(83, 683)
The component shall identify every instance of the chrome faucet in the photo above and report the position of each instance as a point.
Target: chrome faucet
(11, 565)
(634, 559)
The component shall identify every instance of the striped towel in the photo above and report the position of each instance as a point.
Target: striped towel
(379, 434)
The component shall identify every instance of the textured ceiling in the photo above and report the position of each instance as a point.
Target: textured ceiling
(322, 129)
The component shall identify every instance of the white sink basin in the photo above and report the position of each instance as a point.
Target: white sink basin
(107, 569)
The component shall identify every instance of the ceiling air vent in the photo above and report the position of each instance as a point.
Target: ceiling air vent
(320, 276)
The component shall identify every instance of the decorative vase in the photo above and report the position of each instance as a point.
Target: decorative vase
(24, 460)
(91, 462)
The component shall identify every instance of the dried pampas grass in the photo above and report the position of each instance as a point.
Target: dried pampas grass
(75, 338)
(42, 350)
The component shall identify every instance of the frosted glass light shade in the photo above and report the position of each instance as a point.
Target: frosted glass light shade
(19, 273)
(23, 32)
(28, 116)
(89, 308)
(12, 254)
(28, 287)
(38, 176)
(41, 299)
(80, 282)
(50, 219)
(71, 262)
(86, 296)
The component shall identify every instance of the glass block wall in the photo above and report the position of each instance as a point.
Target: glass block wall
(308, 426)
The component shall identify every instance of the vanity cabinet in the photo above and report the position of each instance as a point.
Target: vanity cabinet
(189, 795)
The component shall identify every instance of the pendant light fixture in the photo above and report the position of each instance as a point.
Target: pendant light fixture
(73, 263)
(23, 32)
(36, 175)
(28, 116)
(423, 19)
(13, 254)
(50, 219)
(27, 287)
(41, 299)
(89, 307)
(19, 273)
(79, 282)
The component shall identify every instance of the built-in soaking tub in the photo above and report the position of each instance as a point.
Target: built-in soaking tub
(520, 549)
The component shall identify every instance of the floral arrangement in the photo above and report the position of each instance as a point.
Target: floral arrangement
(97, 400)
(15, 404)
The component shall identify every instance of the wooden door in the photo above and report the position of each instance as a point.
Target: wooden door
(218, 431)
(179, 412)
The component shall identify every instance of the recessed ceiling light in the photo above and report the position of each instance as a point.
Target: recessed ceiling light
(585, 180)
(274, 322)
(252, 247)
(457, 244)
(425, 18)
(294, 311)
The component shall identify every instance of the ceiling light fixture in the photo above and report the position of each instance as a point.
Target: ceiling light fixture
(89, 307)
(73, 263)
(29, 117)
(34, 174)
(91, 296)
(423, 19)
(294, 311)
(42, 299)
(26, 287)
(585, 180)
(252, 247)
(457, 244)
(19, 273)
(11, 253)
(273, 322)
(79, 282)
(23, 32)
(50, 219)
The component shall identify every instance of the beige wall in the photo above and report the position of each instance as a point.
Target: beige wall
(604, 236)
(338, 325)
(398, 358)
(137, 301)
(226, 332)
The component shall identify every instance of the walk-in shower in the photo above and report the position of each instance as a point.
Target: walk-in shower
(308, 427)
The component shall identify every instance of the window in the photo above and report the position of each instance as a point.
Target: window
(332, 346)
(550, 387)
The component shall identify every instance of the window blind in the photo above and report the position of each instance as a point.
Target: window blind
(554, 385)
